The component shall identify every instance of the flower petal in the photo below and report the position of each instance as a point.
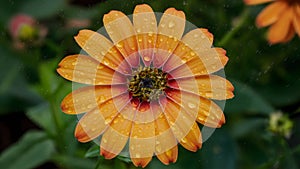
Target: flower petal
(165, 142)
(179, 120)
(271, 13)
(90, 126)
(115, 137)
(93, 123)
(144, 22)
(255, 2)
(169, 156)
(141, 162)
(279, 30)
(207, 112)
(147, 112)
(208, 86)
(296, 19)
(121, 31)
(142, 143)
(102, 49)
(193, 140)
(195, 51)
(84, 69)
(290, 34)
(170, 31)
(86, 98)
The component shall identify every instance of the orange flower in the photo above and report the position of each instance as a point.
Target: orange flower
(282, 15)
(148, 87)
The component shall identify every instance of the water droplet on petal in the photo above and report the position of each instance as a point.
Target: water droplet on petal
(158, 148)
(191, 105)
(183, 140)
(137, 155)
(147, 58)
(171, 24)
(104, 140)
(103, 53)
(138, 30)
(119, 45)
(107, 121)
(89, 106)
(150, 34)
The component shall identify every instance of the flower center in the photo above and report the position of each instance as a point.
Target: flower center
(147, 84)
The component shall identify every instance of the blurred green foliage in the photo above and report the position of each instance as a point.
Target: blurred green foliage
(266, 80)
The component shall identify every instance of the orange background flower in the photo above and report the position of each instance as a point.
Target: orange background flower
(283, 17)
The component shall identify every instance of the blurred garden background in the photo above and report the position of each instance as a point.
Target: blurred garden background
(262, 127)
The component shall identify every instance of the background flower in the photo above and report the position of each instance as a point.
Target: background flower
(283, 17)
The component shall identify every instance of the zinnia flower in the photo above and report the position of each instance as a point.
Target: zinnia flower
(283, 17)
(147, 87)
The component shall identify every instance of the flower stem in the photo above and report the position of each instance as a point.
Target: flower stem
(98, 164)
(228, 36)
(57, 120)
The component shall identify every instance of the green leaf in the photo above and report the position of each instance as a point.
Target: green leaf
(32, 150)
(42, 116)
(14, 88)
(93, 151)
(74, 162)
(247, 100)
(42, 8)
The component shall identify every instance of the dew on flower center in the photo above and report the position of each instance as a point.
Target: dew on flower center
(147, 83)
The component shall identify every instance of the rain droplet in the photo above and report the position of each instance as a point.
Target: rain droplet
(103, 53)
(107, 121)
(201, 118)
(138, 30)
(183, 60)
(140, 39)
(150, 34)
(106, 62)
(191, 105)
(171, 24)
(196, 35)
(158, 148)
(89, 106)
(192, 53)
(104, 140)
(183, 140)
(137, 155)
(147, 58)
(119, 45)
